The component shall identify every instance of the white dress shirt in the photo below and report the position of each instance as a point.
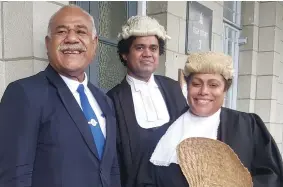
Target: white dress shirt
(73, 86)
(150, 107)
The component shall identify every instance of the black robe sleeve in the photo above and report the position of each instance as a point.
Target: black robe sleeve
(266, 168)
(121, 162)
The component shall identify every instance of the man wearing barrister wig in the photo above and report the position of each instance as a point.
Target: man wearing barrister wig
(145, 103)
(209, 76)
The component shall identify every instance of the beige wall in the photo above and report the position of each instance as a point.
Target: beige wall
(270, 53)
(248, 57)
(261, 65)
(22, 31)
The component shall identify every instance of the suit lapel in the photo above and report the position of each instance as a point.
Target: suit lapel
(72, 107)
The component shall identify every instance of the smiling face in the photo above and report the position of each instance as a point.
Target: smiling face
(206, 93)
(71, 45)
(143, 57)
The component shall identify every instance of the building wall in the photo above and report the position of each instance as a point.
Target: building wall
(22, 31)
(260, 87)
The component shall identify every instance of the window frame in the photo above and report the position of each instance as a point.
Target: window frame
(231, 96)
(237, 23)
(232, 93)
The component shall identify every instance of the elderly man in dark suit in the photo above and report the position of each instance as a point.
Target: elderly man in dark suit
(146, 104)
(56, 128)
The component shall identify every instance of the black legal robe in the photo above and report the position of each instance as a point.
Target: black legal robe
(247, 135)
(132, 140)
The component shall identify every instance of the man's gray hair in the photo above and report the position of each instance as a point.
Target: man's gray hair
(75, 6)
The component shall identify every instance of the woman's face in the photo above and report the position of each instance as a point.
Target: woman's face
(206, 93)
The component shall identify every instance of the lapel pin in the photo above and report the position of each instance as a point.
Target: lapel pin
(92, 122)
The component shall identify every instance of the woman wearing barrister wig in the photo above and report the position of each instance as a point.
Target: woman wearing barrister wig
(209, 76)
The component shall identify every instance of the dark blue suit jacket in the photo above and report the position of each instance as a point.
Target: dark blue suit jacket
(45, 140)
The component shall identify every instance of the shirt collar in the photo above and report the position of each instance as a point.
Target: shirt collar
(212, 118)
(73, 84)
(138, 84)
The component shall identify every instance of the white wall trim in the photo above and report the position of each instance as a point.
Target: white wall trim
(141, 8)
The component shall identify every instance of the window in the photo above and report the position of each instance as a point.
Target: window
(231, 47)
(232, 13)
(107, 70)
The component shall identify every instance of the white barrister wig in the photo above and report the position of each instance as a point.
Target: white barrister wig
(142, 26)
(211, 63)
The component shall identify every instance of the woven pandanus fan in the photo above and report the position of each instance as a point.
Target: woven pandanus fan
(211, 163)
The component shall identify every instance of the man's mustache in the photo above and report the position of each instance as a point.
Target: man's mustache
(72, 47)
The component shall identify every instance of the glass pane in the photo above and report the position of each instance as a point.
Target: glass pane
(231, 33)
(230, 4)
(231, 11)
(111, 69)
(112, 15)
(229, 15)
(230, 48)
(132, 8)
